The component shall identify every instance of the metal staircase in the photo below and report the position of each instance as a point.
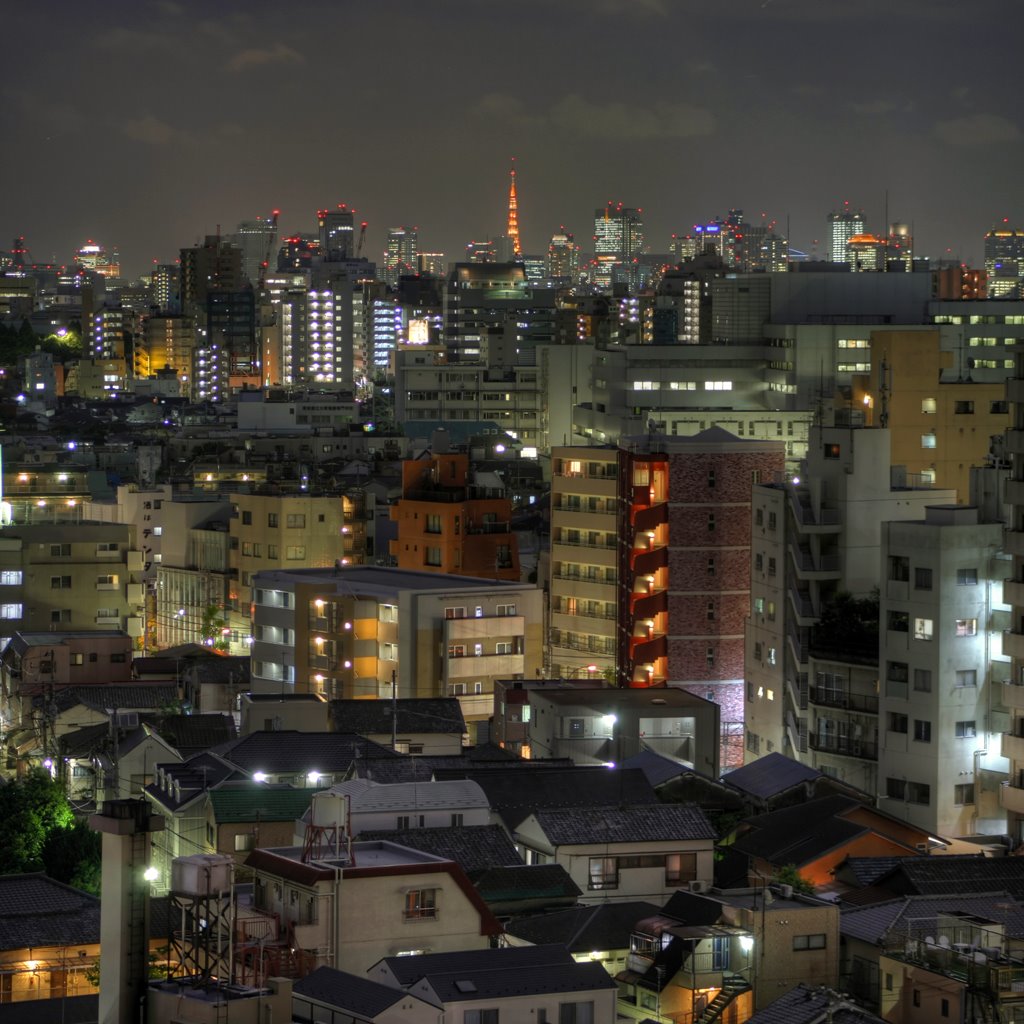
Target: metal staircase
(732, 986)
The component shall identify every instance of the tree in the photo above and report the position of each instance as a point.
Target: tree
(31, 809)
(790, 875)
(214, 628)
(73, 855)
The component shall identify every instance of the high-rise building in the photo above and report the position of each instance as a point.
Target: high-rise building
(94, 257)
(482, 252)
(337, 233)
(166, 279)
(563, 257)
(402, 254)
(1004, 261)
(865, 252)
(215, 265)
(843, 224)
(618, 239)
(257, 240)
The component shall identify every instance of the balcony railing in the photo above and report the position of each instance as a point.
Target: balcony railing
(844, 746)
(867, 703)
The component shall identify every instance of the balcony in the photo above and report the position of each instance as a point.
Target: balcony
(844, 746)
(827, 520)
(803, 606)
(1011, 798)
(1014, 442)
(1015, 492)
(479, 666)
(864, 703)
(1013, 644)
(1013, 746)
(484, 628)
(1013, 696)
(1013, 592)
(809, 567)
(1013, 542)
(1015, 390)
(581, 519)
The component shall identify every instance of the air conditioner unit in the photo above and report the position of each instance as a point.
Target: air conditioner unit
(698, 886)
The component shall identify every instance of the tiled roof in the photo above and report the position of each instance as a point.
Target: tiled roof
(657, 768)
(569, 826)
(807, 1005)
(404, 768)
(37, 911)
(118, 696)
(193, 776)
(192, 734)
(290, 751)
(414, 714)
(409, 969)
(236, 802)
(473, 848)
(508, 982)
(967, 873)
(514, 796)
(348, 992)
(528, 882)
(770, 775)
(867, 870)
(581, 929)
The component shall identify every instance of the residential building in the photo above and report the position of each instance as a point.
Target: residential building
(622, 853)
(454, 519)
(337, 631)
(348, 906)
(607, 725)
(942, 620)
(326, 992)
(813, 536)
(412, 725)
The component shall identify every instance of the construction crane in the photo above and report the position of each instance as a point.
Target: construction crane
(362, 238)
(268, 249)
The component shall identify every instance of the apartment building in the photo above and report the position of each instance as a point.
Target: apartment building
(454, 519)
(351, 631)
(814, 536)
(942, 618)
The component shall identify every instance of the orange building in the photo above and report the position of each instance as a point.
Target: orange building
(452, 519)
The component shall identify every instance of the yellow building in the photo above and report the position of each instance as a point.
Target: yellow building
(939, 428)
(168, 341)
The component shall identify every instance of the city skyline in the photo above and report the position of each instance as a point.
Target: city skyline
(149, 130)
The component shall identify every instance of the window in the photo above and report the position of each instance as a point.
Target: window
(711, 522)
(771, 566)
(272, 520)
(433, 524)
(295, 552)
(967, 577)
(420, 904)
(922, 579)
(244, 841)
(503, 647)
(457, 820)
(897, 671)
(604, 873)
(966, 677)
(389, 651)
(917, 997)
(388, 612)
(772, 521)
(455, 613)
(10, 611)
(431, 556)
(922, 731)
(711, 611)
(899, 622)
(963, 408)
(60, 582)
(966, 627)
(709, 657)
(753, 742)
(576, 1013)
(505, 609)
(759, 562)
(58, 615)
(923, 629)
(909, 792)
(60, 550)
(929, 406)
(759, 517)
(897, 722)
(10, 578)
(296, 521)
(923, 680)
(711, 478)
(944, 1007)
(927, 440)
(831, 451)
(480, 1016)
(804, 942)
(106, 582)
(711, 567)
(247, 518)
(999, 408)
(456, 650)
(272, 551)
(899, 568)
(963, 793)
(965, 730)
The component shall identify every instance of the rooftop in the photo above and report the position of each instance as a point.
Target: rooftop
(380, 581)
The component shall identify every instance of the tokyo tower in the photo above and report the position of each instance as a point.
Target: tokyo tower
(513, 213)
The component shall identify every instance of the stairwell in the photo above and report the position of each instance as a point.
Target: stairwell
(732, 986)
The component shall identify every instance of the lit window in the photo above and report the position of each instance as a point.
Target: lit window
(923, 629)
(966, 627)
(927, 440)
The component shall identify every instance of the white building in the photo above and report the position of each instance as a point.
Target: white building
(942, 617)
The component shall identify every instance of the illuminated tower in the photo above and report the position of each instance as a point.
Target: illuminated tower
(563, 256)
(842, 226)
(513, 214)
(618, 238)
(401, 255)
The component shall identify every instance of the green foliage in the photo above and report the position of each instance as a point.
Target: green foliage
(789, 875)
(30, 810)
(72, 855)
(18, 342)
(212, 628)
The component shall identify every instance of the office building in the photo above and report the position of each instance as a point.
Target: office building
(563, 261)
(402, 255)
(843, 224)
(618, 239)
(257, 240)
(336, 233)
(1004, 261)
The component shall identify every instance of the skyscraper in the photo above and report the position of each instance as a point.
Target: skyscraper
(842, 226)
(563, 256)
(257, 239)
(336, 228)
(618, 238)
(1004, 261)
(401, 255)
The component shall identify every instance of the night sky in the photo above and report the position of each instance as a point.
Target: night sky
(146, 123)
